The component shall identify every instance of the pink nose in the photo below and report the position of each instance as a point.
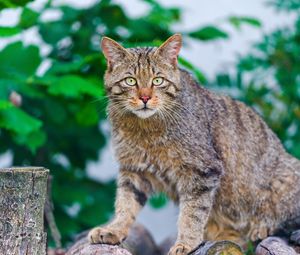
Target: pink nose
(145, 99)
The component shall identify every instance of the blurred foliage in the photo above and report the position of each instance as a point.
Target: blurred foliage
(13, 3)
(268, 78)
(158, 200)
(289, 5)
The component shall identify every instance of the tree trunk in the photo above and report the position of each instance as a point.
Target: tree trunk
(23, 193)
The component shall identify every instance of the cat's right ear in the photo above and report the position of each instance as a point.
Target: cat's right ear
(112, 51)
(169, 50)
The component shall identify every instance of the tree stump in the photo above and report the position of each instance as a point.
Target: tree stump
(23, 193)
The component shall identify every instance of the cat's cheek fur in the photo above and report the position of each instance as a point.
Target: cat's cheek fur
(116, 90)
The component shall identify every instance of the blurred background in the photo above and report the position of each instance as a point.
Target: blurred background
(52, 100)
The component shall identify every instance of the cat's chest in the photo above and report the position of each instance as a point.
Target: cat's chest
(145, 154)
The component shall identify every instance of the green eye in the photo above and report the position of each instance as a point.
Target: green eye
(130, 81)
(158, 81)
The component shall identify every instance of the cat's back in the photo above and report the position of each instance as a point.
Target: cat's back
(241, 138)
(258, 172)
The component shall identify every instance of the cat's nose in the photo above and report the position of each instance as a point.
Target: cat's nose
(145, 99)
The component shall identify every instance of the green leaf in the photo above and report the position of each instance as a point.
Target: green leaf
(28, 18)
(67, 225)
(112, 15)
(9, 31)
(18, 121)
(238, 21)
(65, 67)
(73, 86)
(56, 111)
(209, 33)
(87, 116)
(13, 3)
(158, 201)
(33, 141)
(5, 105)
(17, 61)
(54, 31)
(96, 214)
(36, 140)
(286, 5)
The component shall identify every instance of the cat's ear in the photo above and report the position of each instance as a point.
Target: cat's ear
(170, 49)
(112, 51)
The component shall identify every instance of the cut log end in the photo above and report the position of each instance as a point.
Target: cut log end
(219, 248)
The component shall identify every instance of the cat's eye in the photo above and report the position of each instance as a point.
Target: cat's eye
(157, 81)
(130, 81)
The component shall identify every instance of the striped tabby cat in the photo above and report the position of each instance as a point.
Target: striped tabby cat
(213, 155)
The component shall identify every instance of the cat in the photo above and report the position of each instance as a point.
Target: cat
(211, 154)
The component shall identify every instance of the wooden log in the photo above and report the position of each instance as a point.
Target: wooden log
(274, 246)
(218, 248)
(97, 249)
(166, 244)
(22, 197)
(139, 242)
(207, 248)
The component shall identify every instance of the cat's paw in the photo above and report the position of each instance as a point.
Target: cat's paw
(180, 249)
(106, 236)
(260, 232)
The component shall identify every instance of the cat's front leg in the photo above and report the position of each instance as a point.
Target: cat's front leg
(193, 216)
(196, 198)
(131, 196)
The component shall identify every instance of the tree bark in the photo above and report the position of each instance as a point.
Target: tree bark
(23, 193)
(207, 248)
(219, 248)
(274, 246)
(139, 242)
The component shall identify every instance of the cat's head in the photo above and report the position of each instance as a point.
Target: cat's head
(144, 81)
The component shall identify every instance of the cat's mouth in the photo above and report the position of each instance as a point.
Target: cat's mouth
(144, 112)
(145, 108)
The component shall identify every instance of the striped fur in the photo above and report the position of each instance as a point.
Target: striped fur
(211, 154)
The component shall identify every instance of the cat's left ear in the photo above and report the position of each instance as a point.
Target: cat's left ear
(170, 49)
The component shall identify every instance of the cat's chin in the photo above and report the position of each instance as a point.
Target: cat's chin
(144, 113)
